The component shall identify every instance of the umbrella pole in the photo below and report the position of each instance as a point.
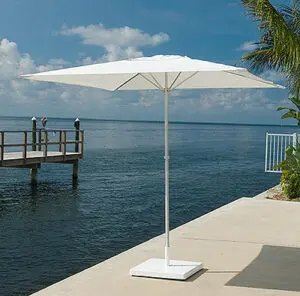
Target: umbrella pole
(161, 268)
(167, 244)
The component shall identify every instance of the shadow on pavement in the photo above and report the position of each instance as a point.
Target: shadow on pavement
(275, 268)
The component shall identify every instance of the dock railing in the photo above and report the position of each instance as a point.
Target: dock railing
(40, 141)
(276, 145)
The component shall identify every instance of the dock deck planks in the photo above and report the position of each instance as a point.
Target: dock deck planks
(37, 157)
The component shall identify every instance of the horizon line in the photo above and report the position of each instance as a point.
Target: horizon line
(154, 121)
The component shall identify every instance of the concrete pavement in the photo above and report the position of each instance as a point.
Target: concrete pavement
(248, 247)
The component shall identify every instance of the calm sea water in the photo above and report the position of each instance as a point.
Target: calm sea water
(54, 230)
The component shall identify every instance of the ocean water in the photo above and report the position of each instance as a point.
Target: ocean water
(55, 229)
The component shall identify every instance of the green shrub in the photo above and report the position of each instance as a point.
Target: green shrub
(290, 179)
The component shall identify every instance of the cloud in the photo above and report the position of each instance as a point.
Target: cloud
(119, 43)
(244, 99)
(247, 46)
(12, 63)
(273, 76)
(23, 97)
(123, 37)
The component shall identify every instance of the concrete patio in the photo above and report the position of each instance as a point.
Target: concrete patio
(248, 247)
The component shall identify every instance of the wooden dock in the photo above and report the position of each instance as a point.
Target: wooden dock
(36, 148)
(16, 159)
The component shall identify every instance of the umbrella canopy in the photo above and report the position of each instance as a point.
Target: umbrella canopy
(164, 73)
(149, 73)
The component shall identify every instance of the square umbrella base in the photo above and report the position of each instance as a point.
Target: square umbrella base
(176, 270)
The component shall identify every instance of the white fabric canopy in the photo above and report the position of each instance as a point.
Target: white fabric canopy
(164, 73)
(149, 73)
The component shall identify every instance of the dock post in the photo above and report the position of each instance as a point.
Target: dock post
(33, 175)
(77, 127)
(76, 163)
(75, 170)
(33, 134)
(34, 170)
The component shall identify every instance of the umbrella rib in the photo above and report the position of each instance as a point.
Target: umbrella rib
(265, 81)
(157, 86)
(156, 80)
(126, 81)
(176, 78)
(185, 79)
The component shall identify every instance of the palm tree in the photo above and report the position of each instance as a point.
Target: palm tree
(292, 113)
(279, 45)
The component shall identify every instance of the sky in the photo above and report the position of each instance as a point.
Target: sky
(43, 35)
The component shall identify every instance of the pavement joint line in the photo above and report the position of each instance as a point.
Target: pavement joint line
(238, 242)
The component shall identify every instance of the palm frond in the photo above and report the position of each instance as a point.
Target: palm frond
(288, 115)
(263, 59)
(286, 44)
(293, 82)
(291, 114)
(292, 15)
(285, 108)
(295, 101)
(279, 45)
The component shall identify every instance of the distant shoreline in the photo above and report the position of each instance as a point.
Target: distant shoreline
(151, 121)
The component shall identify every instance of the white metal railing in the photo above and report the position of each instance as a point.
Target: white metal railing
(276, 145)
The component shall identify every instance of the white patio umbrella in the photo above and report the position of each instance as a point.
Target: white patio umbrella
(164, 73)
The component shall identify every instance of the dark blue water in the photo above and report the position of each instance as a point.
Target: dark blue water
(56, 229)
